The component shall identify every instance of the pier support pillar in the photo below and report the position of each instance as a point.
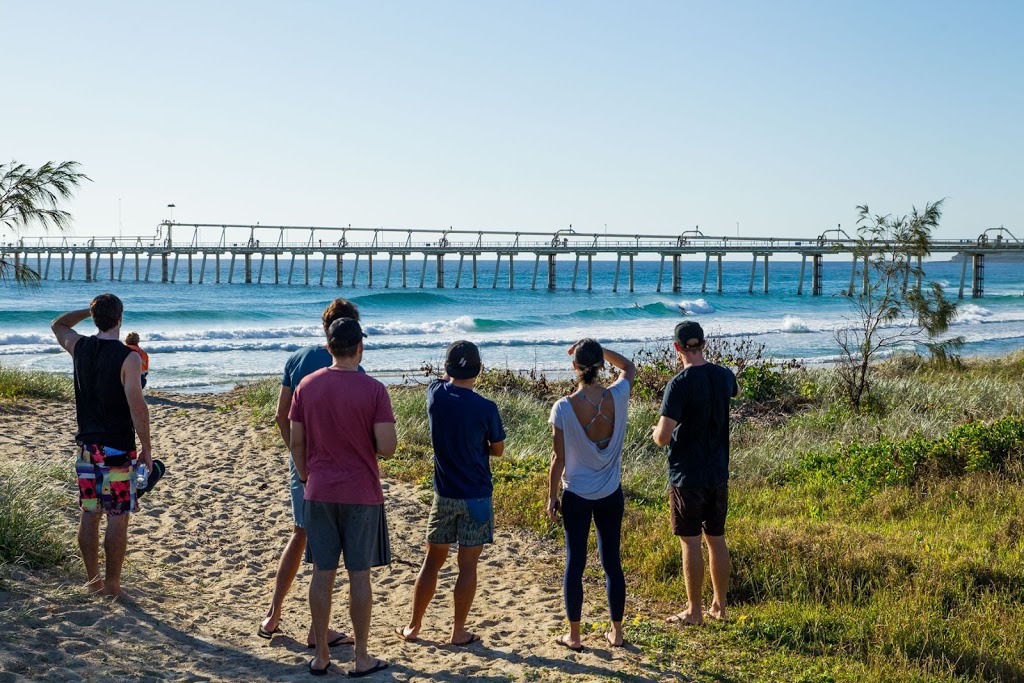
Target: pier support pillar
(291, 268)
(174, 268)
(766, 273)
(259, 273)
(248, 269)
(440, 271)
(575, 271)
(677, 273)
(590, 272)
(853, 273)
(423, 271)
(88, 265)
(631, 273)
(369, 271)
(323, 268)
(753, 269)
(149, 265)
(277, 271)
(305, 269)
(189, 259)
(62, 267)
(919, 274)
(474, 271)
(816, 261)
(867, 276)
(387, 274)
(497, 267)
(111, 267)
(536, 267)
(552, 273)
(216, 269)
(661, 270)
(355, 270)
(339, 266)
(719, 273)
(978, 276)
(511, 271)
(202, 268)
(800, 280)
(163, 267)
(231, 268)
(458, 273)
(618, 264)
(49, 255)
(403, 270)
(136, 265)
(707, 266)
(963, 273)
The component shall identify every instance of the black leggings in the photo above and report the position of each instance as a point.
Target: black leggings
(607, 515)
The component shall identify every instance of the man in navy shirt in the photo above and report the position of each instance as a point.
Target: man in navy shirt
(466, 431)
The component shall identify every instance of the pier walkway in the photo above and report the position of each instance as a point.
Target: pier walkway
(264, 251)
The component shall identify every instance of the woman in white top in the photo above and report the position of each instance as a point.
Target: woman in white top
(589, 427)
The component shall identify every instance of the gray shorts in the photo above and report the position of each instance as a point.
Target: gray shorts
(468, 521)
(358, 531)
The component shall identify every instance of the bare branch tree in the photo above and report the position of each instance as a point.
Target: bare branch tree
(885, 313)
(33, 195)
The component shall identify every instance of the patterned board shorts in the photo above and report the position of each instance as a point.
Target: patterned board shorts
(470, 522)
(106, 475)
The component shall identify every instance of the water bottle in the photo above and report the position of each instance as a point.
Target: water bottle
(141, 476)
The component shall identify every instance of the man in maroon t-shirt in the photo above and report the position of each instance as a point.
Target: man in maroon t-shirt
(341, 419)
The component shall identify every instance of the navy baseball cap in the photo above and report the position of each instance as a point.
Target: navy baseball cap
(689, 335)
(462, 360)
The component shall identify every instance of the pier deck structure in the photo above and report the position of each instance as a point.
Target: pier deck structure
(53, 256)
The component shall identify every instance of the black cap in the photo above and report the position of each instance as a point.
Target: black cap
(344, 333)
(462, 360)
(689, 335)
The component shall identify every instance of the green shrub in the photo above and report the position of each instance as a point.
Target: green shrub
(30, 496)
(15, 383)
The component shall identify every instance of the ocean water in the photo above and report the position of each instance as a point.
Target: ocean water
(210, 337)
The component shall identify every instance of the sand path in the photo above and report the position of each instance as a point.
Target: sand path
(202, 557)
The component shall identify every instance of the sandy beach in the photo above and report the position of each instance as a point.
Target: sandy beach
(202, 555)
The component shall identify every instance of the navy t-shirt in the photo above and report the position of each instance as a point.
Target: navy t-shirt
(462, 425)
(305, 362)
(698, 399)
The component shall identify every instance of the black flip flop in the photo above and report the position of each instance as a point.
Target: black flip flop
(379, 665)
(561, 641)
(318, 672)
(158, 471)
(264, 633)
(340, 640)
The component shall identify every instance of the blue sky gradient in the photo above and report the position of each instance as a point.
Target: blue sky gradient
(650, 117)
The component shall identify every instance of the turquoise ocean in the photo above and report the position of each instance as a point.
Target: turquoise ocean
(211, 337)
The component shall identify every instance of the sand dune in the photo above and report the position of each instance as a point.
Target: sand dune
(202, 557)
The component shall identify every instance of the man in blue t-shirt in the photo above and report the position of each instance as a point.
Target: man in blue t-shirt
(694, 423)
(466, 432)
(302, 363)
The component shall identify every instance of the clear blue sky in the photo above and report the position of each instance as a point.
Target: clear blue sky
(645, 116)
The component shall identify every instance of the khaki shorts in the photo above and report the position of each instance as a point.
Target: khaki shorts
(470, 522)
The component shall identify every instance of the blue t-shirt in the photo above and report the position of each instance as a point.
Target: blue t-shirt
(462, 425)
(305, 362)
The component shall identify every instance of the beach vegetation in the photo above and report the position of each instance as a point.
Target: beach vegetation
(30, 496)
(16, 383)
(887, 313)
(33, 196)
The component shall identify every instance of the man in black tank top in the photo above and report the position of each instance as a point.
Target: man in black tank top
(111, 412)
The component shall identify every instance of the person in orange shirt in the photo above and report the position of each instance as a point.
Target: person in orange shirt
(131, 340)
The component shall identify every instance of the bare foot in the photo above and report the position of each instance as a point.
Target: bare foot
(613, 640)
(686, 618)
(95, 586)
(408, 633)
(116, 593)
(565, 640)
(716, 613)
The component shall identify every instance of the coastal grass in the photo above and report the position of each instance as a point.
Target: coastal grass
(16, 383)
(30, 496)
(883, 545)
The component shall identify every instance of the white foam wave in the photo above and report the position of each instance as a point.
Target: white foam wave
(461, 324)
(791, 323)
(972, 313)
(26, 338)
(697, 306)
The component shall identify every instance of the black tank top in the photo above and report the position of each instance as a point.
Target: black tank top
(103, 414)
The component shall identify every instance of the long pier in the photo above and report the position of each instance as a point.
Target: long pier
(209, 243)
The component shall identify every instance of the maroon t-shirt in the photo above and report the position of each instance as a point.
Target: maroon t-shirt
(338, 409)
